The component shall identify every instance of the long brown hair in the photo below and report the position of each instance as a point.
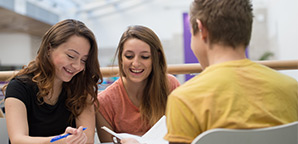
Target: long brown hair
(153, 102)
(82, 84)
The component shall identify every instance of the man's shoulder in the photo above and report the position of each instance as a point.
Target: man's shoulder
(191, 86)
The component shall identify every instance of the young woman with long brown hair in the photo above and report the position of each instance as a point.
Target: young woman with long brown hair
(55, 93)
(137, 100)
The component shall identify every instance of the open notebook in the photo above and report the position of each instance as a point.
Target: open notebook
(152, 136)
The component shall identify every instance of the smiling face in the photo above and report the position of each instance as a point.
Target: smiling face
(69, 58)
(136, 60)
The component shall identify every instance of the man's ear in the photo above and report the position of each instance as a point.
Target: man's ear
(202, 29)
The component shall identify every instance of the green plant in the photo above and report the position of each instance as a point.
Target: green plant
(266, 56)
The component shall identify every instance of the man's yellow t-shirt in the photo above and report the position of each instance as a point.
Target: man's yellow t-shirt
(237, 95)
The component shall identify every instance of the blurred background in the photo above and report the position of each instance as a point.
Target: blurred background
(23, 23)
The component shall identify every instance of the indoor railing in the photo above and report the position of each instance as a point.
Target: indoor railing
(182, 68)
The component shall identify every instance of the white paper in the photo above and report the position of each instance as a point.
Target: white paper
(156, 133)
(152, 136)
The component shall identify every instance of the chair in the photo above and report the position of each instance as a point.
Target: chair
(3, 131)
(283, 134)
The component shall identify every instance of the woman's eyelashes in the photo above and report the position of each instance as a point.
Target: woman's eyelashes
(70, 56)
(83, 60)
(74, 58)
(145, 57)
(129, 56)
(132, 56)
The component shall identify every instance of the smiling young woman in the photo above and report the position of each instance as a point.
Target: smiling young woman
(136, 101)
(55, 93)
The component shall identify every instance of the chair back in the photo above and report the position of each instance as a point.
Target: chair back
(283, 134)
(3, 131)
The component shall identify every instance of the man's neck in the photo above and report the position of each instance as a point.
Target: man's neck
(219, 54)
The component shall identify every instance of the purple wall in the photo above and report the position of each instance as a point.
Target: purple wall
(189, 57)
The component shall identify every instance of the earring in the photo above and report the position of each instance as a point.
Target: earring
(200, 30)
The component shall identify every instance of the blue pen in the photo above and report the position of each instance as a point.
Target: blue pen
(62, 136)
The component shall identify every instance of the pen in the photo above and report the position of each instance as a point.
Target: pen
(62, 136)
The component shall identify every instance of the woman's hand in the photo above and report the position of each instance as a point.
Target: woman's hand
(77, 136)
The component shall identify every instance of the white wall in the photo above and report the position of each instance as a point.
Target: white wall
(15, 49)
(161, 16)
(283, 24)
